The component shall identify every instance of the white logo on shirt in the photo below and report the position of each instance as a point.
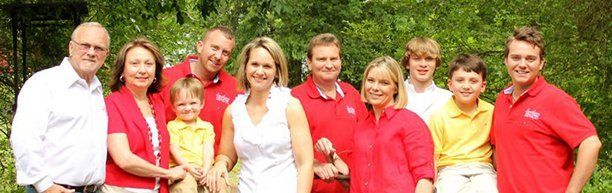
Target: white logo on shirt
(532, 113)
(350, 110)
(222, 98)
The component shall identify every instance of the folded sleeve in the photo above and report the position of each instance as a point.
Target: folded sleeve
(569, 123)
(419, 149)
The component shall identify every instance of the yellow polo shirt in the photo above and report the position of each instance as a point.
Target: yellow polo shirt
(459, 137)
(191, 140)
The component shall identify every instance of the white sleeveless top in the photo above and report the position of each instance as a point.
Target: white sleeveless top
(268, 165)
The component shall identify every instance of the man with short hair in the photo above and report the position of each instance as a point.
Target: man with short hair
(333, 109)
(59, 130)
(536, 126)
(220, 87)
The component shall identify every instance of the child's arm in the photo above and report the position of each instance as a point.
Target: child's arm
(207, 156)
(175, 152)
(175, 149)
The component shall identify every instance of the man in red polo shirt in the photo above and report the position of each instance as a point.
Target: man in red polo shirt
(536, 126)
(220, 87)
(332, 109)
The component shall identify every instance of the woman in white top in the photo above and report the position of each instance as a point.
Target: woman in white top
(265, 127)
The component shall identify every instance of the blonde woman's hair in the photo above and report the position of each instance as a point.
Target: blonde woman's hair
(391, 68)
(282, 73)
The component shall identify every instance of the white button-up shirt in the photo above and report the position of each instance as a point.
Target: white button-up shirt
(59, 130)
(426, 103)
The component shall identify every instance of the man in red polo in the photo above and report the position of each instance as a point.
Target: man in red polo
(332, 109)
(536, 126)
(220, 87)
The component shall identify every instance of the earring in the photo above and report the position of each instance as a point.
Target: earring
(154, 79)
(121, 78)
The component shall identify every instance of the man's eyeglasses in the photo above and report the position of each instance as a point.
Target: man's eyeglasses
(86, 47)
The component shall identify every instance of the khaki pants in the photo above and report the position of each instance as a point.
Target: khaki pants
(468, 177)
(188, 185)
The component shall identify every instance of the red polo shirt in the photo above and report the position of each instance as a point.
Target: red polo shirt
(334, 119)
(535, 138)
(218, 94)
(392, 155)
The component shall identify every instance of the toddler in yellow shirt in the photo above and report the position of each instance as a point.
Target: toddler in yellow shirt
(191, 139)
(460, 131)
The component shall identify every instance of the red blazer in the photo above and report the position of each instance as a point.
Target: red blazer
(125, 117)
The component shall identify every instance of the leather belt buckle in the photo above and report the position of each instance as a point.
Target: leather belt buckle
(91, 188)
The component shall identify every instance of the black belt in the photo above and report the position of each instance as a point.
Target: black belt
(85, 189)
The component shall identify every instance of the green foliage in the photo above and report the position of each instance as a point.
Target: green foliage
(7, 175)
(577, 36)
(601, 181)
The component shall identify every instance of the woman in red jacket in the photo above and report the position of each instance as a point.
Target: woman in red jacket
(393, 149)
(138, 142)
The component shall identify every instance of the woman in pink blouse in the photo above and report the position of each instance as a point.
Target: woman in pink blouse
(393, 150)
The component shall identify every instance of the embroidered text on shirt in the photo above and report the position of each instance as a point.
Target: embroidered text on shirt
(532, 113)
(222, 98)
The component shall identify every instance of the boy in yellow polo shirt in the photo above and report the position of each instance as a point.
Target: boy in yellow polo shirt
(191, 139)
(460, 131)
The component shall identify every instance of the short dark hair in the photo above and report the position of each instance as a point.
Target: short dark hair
(323, 39)
(116, 83)
(227, 32)
(528, 34)
(469, 63)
